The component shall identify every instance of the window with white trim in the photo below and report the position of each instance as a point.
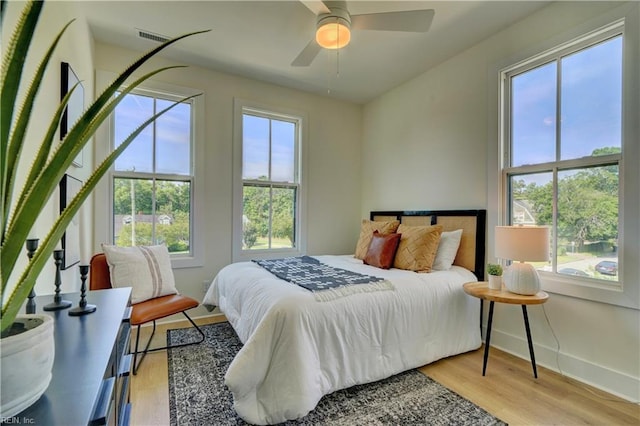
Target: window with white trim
(152, 180)
(268, 186)
(563, 145)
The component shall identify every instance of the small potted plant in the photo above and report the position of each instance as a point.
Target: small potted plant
(495, 276)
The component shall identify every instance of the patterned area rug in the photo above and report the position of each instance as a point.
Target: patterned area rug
(198, 396)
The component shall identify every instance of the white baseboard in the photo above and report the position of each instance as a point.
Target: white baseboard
(614, 382)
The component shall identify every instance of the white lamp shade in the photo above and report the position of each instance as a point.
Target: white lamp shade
(522, 243)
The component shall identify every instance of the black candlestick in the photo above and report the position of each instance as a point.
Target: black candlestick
(32, 246)
(57, 303)
(83, 308)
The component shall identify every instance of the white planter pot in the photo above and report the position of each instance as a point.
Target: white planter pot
(495, 282)
(27, 360)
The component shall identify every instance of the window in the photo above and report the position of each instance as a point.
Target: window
(563, 147)
(267, 198)
(152, 180)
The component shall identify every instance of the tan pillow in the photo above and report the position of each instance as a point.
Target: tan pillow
(382, 250)
(366, 234)
(417, 248)
(146, 269)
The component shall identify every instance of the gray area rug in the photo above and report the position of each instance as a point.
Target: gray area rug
(198, 396)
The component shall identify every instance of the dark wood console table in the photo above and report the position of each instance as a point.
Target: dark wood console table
(90, 383)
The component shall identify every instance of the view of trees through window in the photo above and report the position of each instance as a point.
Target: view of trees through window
(135, 222)
(269, 182)
(152, 178)
(565, 148)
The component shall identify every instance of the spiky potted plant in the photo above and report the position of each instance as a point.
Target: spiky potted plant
(25, 376)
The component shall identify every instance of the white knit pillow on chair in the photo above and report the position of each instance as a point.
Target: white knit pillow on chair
(146, 269)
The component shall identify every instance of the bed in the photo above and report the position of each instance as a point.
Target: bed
(297, 349)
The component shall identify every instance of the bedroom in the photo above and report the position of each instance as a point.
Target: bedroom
(403, 129)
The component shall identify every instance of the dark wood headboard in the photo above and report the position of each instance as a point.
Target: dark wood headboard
(471, 253)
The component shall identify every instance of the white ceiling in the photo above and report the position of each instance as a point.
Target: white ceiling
(260, 39)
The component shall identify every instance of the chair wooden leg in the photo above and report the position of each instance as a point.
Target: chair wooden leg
(146, 349)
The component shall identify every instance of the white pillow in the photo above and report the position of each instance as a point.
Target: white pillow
(447, 250)
(147, 269)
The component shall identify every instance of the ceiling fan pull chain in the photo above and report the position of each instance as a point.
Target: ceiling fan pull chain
(328, 72)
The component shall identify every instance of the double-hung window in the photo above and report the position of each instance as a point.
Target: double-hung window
(152, 180)
(268, 185)
(562, 152)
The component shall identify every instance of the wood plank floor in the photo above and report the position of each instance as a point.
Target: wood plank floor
(508, 391)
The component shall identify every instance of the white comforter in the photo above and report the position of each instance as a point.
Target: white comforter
(297, 349)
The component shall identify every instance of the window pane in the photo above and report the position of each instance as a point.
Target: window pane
(531, 199)
(255, 147)
(173, 139)
(130, 113)
(283, 223)
(588, 221)
(132, 212)
(533, 103)
(255, 217)
(531, 204)
(283, 151)
(173, 211)
(592, 100)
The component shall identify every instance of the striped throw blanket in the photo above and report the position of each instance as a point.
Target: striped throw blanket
(326, 282)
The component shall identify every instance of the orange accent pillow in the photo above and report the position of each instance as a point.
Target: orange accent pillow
(417, 248)
(366, 234)
(382, 250)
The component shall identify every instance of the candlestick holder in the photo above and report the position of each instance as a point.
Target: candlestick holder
(83, 308)
(58, 302)
(32, 246)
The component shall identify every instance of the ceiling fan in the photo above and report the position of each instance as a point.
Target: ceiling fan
(334, 24)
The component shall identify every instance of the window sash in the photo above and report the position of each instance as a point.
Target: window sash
(269, 182)
(557, 166)
(156, 176)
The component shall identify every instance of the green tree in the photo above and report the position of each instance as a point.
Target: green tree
(587, 202)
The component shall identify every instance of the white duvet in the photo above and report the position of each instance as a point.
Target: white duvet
(297, 349)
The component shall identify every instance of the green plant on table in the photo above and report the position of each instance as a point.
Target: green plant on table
(19, 211)
(494, 269)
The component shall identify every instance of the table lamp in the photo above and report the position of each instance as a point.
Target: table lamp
(522, 244)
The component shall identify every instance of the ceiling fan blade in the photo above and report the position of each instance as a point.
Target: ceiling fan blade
(316, 6)
(307, 55)
(417, 21)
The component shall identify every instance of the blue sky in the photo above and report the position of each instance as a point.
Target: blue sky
(591, 94)
(255, 154)
(173, 155)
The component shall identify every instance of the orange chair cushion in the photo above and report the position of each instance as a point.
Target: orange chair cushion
(160, 307)
(99, 276)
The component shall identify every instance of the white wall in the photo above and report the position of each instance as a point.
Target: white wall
(76, 48)
(332, 171)
(431, 143)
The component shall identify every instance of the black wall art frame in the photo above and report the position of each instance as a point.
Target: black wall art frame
(75, 107)
(69, 187)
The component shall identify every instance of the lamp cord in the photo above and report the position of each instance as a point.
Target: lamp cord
(573, 381)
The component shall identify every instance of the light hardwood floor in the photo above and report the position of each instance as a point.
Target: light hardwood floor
(508, 390)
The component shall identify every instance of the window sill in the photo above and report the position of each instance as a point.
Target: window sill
(588, 289)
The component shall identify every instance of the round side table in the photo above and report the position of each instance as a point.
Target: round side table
(481, 290)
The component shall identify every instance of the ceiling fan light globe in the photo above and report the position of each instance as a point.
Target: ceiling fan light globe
(333, 35)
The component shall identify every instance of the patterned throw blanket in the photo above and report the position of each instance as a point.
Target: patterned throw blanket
(326, 282)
